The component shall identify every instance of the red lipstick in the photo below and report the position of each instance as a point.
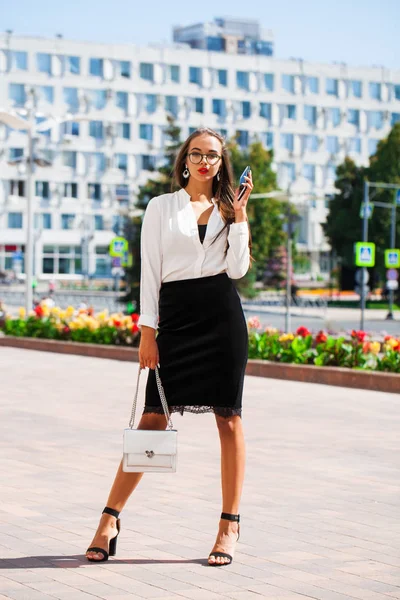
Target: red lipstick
(203, 171)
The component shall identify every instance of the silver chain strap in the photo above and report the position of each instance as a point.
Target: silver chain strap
(162, 396)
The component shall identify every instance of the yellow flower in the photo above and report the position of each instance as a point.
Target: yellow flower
(285, 337)
(70, 311)
(62, 314)
(46, 310)
(374, 347)
(392, 342)
(22, 313)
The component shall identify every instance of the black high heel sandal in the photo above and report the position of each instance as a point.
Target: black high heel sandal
(112, 546)
(227, 517)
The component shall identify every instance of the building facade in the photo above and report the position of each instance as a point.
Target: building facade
(311, 114)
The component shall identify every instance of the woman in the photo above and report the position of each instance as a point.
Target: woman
(193, 243)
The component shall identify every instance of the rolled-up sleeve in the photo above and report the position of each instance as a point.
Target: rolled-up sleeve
(151, 265)
(238, 255)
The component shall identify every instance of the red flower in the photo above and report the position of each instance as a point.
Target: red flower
(321, 337)
(135, 317)
(135, 328)
(66, 329)
(38, 311)
(360, 336)
(303, 331)
(365, 347)
(90, 311)
(397, 347)
(117, 323)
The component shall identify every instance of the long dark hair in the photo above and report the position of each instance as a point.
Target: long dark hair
(222, 190)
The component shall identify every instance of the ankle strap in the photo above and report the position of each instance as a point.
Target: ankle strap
(230, 517)
(111, 511)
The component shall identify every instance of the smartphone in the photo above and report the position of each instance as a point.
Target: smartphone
(242, 181)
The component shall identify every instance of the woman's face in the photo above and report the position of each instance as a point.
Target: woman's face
(202, 144)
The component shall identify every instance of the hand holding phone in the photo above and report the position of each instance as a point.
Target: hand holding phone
(242, 182)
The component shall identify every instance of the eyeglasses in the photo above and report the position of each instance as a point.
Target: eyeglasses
(197, 157)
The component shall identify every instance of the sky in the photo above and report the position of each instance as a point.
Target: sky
(357, 32)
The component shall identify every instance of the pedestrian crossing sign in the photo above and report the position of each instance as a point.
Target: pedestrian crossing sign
(365, 254)
(392, 258)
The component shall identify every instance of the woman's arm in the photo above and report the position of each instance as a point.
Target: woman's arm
(238, 254)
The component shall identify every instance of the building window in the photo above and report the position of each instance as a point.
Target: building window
(222, 77)
(372, 146)
(98, 161)
(71, 190)
(395, 118)
(146, 131)
(312, 85)
(375, 90)
(73, 65)
(96, 67)
(242, 80)
(46, 93)
(71, 98)
(15, 154)
(121, 100)
(332, 144)
(174, 73)
(353, 116)
(309, 172)
(98, 98)
(310, 114)
(355, 88)
(266, 138)
(265, 110)
(94, 191)
(98, 222)
(375, 119)
(289, 111)
(223, 132)
(42, 189)
(151, 103)
(332, 86)
(17, 188)
(67, 221)
(121, 161)
(16, 93)
(288, 83)
(70, 128)
(246, 110)
(310, 143)
(148, 162)
(103, 262)
(122, 194)
(287, 141)
(124, 68)
(215, 44)
(334, 114)
(43, 62)
(19, 60)
(355, 145)
(146, 71)
(42, 221)
(171, 105)
(218, 107)
(396, 91)
(69, 158)
(288, 171)
(199, 105)
(269, 82)
(62, 260)
(242, 138)
(15, 220)
(124, 131)
(195, 75)
(96, 129)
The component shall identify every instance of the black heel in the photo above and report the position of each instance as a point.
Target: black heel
(112, 546)
(227, 517)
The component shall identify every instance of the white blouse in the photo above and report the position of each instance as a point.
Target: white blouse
(171, 249)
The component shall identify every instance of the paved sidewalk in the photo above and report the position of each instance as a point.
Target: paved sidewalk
(320, 510)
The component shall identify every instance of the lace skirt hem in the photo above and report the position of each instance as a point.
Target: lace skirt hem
(220, 411)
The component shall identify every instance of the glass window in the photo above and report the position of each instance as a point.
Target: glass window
(73, 65)
(223, 132)
(332, 144)
(372, 146)
(121, 100)
(267, 138)
(192, 130)
(269, 82)
(396, 91)
(195, 75)
(98, 161)
(265, 110)
(311, 143)
(313, 85)
(46, 93)
(218, 106)
(332, 86)
(171, 105)
(124, 68)
(288, 83)
(242, 80)
(148, 162)
(98, 98)
(70, 128)
(124, 130)
(353, 116)
(146, 71)
(395, 118)
(69, 158)
(46, 220)
(71, 98)
(355, 88)
(199, 105)
(94, 191)
(242, 138)
(16, 93)
(246, 110)
(98, 222)
(174, 73)
(43, 62)
(15, 220)
(375, 90)
(309, 172)
(287, 141)
(289, 171)
(15, 154)
(71, 190)
(121, 161)
(375, 119)
(334, 114)
(42, 189)
(122, 194)
(96, 67)
(215, 43)
(223, 77)
(310, 114)
(17, 188)
(355, 145)
(289, 111)
(151, 103)
(19, 60)
(96, 129)
(67, 221)
(146, 131)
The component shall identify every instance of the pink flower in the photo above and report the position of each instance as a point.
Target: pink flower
(254, 323)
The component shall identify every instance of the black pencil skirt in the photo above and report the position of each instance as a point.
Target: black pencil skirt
(203, 347)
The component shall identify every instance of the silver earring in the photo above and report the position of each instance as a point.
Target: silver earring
(218, 175)
(186, 173)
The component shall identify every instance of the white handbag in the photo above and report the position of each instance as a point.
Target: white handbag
(150, 450)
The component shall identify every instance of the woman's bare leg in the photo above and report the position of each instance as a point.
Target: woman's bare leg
(233, 457)
(123, 486)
